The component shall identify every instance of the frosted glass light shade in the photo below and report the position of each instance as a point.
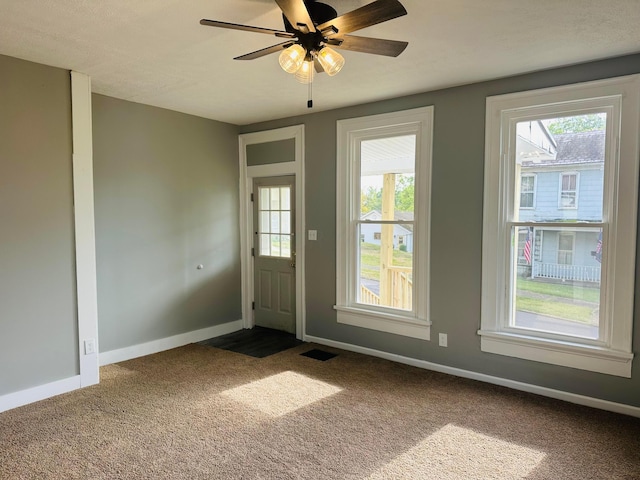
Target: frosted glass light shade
(305, 72)
(291, 58)
(331, 61)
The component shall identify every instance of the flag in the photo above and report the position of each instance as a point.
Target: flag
(527, 247)
(598, 254)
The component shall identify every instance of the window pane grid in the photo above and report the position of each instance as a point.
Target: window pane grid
(274, 226)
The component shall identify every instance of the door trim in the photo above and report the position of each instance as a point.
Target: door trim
(84, 226)
(247, 174)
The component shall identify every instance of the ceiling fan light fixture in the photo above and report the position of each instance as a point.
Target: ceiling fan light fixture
(331, 61)
(292, 58)
(305, 72)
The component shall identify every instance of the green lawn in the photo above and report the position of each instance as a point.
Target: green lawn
(587, 294)
(556, 300)
(566, 311)
(370, 260)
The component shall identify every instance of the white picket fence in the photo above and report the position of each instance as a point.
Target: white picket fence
(576, 273)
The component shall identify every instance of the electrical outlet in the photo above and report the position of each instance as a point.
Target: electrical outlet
(313, 235)
(443, 339)
(89, 346)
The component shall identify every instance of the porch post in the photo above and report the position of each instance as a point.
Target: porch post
(386, 236)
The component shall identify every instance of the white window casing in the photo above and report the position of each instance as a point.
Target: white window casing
(419, 122)
(611, 353)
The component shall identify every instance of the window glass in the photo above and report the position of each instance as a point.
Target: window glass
(274, 224)
(545, 150)
(379, 260)
(557, 278)
(387, 186)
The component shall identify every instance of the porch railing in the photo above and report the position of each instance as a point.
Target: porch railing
(576, 273)
(401, 287)
(368, 297)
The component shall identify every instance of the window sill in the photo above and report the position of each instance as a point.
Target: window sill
(567, 354)
(384, 322)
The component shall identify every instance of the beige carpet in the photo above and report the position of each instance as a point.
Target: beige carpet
(202, 413)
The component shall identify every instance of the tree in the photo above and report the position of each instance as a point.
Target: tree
(577, 124)
(371, 198)
(405, 190)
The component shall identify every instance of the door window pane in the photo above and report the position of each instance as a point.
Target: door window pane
(275, 222)
(285, 198)
(285, 222)
(275, 198)
(274, 227)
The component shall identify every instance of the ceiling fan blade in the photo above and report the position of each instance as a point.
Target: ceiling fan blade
(378, 46)
(297, 14)
(246, 28)
(371, 14)
(318, 65)
(264, 51)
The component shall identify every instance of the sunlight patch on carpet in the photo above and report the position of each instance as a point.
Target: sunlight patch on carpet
(281, 394)
(454, 452)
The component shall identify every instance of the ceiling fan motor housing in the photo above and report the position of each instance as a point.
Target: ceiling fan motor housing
(319, 13)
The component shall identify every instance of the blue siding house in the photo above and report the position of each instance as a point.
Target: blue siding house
(561, 180)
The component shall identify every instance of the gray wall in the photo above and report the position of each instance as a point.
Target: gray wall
(166, 200)
(38, 322)
(456, 232)
(271, 152)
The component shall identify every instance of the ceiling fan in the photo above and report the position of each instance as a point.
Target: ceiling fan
(311, 28)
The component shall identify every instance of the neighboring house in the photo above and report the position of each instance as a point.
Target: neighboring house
(402, 235)
(561, 181)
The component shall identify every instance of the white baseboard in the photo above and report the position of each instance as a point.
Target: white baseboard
(35, 394)
(525, 387)
(140, 350)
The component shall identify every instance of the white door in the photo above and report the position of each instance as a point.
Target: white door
(274, 253)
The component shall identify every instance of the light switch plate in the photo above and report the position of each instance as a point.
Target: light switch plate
(89, 346)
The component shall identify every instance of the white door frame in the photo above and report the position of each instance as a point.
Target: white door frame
(85, 236)
(247, 174)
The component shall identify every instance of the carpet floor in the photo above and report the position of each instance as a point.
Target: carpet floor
(198, 412)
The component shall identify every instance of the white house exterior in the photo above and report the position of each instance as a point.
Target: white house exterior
(371, 232)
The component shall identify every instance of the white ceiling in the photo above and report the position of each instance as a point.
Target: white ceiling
(155, 52)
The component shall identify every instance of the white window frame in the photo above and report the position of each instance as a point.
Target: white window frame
(532, 192)
(561, 190)
(612, 352)
(350, 133)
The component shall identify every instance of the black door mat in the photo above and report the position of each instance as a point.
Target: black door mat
(258, 342)
(319, 355)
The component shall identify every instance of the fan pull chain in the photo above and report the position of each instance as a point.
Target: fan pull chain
(310, 98)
